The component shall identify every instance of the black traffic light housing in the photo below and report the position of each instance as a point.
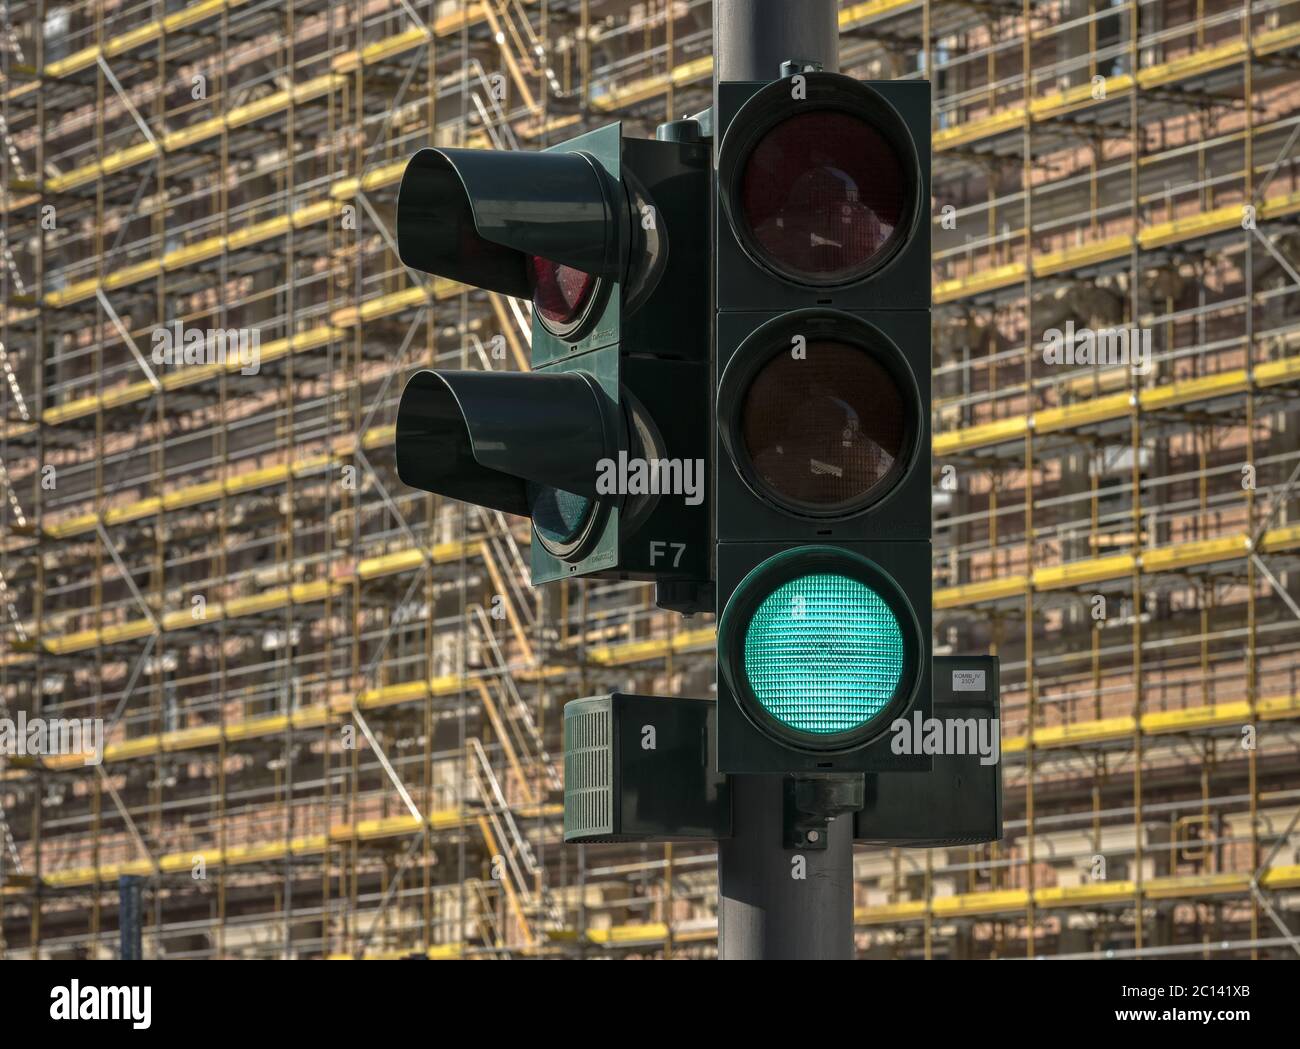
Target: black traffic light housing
(637, 768)
(899, 110)
(898, 342)
(750, 740)
(960, 801)
(619, 349)
(822, 277)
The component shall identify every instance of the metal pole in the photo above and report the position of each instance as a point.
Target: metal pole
(775, 902)
(751, 38)
(129, 918)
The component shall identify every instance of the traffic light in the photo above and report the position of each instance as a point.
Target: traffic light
(822, 253)
(601, 444)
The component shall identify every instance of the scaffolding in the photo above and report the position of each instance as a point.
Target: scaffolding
(332, 703)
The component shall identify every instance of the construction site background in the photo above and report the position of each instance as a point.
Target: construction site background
(333, 703)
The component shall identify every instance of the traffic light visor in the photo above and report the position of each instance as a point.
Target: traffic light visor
(821, 648)
(482, 217)
(510, 441)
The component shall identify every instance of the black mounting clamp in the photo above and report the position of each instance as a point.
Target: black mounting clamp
(792, 66)
(812, 801)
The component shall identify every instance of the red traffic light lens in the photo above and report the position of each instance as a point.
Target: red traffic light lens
(824, 194)
(824, 432)
(561, 294)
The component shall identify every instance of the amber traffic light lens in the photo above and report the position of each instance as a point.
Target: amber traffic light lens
(825, 432)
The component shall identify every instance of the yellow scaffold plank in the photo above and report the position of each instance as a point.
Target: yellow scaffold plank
(181, 258)
(646, 932)
(138, 36)
(1156, 722)
(1088, 253)
(1050, 736)
(199, 251)
(999, 431)
(888, 913)
(1201, 552)
(1004, 901)
(1089, 894)
(980, 280)
(967, 131)
(859, 14)
(131, 630)
(438, 952)
(278, 597)
(133, 512)
(1273, 373)
(623, 653)
(378, 436)
(1077, 573)
(408, 560)
(976, 593)
(61, 529)
(83, 289)
(1276, 708)
(1202, 388)
(261, 851)
(1190, 226)
(1197, 64)
(1178, 886)
(1083, 413)
(1272, 40)
(388, 47)
(243, 482)
(1173, 557)
(406, 692)
(649, 87)
(73, 63)
(399, 43)
(184, 138)
(1069, 100)
(190, 495)
(971, 903)
(1285, 877)
(1116, 406)
(1169, 558)
(385, 175)
(1160, 721)
(368, 830)
(192, 738)
(1276, 539)
(113, 162)
(1160, 234)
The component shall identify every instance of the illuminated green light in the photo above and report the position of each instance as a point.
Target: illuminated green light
(824, 654)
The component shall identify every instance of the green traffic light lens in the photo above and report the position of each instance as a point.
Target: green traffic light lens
(824, 654)
(559, 517)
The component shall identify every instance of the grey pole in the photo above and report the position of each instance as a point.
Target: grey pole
(751, 38)
(775, 902)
